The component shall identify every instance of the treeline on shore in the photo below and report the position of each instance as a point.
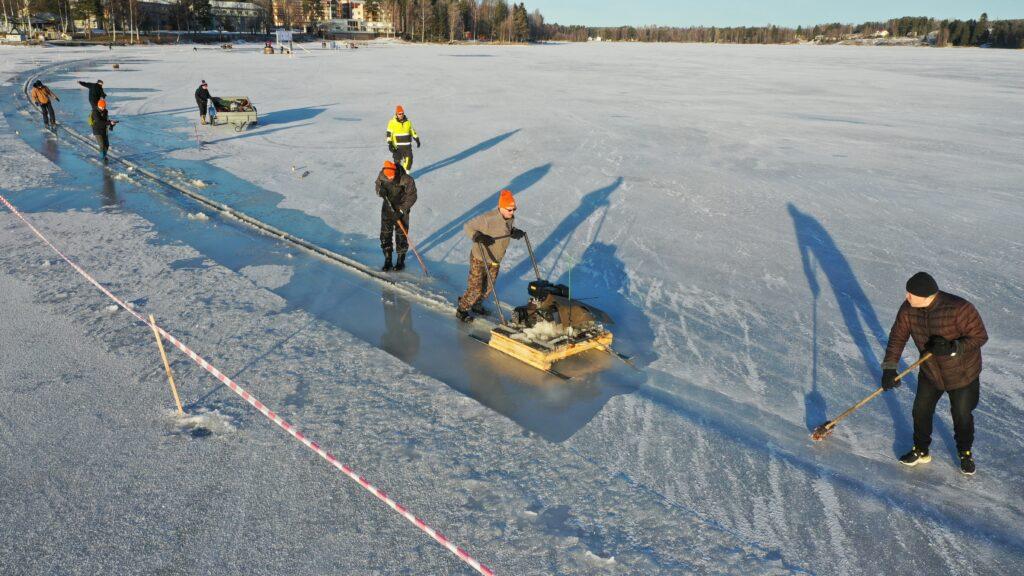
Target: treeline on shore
(981, 32)
(499, 20)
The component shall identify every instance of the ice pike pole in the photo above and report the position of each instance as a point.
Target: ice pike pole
(822, 431)
(407, 239)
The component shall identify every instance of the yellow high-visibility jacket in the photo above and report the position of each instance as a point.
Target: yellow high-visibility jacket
(401, 133)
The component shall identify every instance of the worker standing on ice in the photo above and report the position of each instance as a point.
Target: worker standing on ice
(203, 100)
(951, 329)
(43, 96)
(95, 91)
(400, 135)
(398, 190)
(490, 233)
(101, 125)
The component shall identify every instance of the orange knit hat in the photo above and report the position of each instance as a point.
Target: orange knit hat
(102, 104)
(390, 169)
(505, 200)
(399, 110)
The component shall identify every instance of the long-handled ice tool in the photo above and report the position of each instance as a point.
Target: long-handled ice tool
(822, 431)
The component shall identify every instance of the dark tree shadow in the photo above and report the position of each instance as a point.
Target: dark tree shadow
(489, 202)
(859, 316)
(485, 145)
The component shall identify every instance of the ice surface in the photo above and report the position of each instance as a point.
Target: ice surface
(746, 214)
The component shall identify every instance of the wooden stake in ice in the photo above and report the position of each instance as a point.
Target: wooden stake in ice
(167, 367)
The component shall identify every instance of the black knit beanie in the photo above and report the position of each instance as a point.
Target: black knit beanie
(922, 284)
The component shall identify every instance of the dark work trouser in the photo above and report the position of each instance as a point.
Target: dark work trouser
(479, 284)
(104, 143)
(391, 238)
(961, 403)
(203, 106)
(47, 110)
(403, 155)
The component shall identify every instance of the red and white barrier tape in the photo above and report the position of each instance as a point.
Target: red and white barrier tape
(380, 494)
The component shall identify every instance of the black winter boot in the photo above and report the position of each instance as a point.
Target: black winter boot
(387, 267)
(967, 463)
(400, 265)
(463, 315)
(916, 456)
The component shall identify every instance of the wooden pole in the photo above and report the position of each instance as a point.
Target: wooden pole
(825, 429)
(167, 367)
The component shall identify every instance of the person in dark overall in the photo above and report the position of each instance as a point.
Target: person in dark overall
(398, 190)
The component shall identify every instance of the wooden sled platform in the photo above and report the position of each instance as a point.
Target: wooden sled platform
(542, 356)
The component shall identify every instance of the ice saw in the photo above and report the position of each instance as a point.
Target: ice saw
(551, 326)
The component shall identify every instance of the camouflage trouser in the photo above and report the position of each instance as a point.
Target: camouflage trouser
(390, 236)
(479, 285)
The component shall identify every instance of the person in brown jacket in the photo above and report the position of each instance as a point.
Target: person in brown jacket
(490, 233)
(43, 96)
(951, 329)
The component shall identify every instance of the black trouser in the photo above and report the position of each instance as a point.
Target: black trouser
(962, 402)
(391, 238)
(203, 106)
(47, 110)
(403, 155)
(104, 142)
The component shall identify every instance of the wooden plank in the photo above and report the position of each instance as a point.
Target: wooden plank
(539, 358)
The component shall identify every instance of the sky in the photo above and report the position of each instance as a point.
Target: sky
(760, 12)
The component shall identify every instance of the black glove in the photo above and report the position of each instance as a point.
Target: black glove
(517, 234)
(400, 214)
(483, 238)
(889, 380)
(391, 148)
(939, 346)
(417, 142)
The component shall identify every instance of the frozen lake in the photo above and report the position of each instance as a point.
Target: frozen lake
(747, 214)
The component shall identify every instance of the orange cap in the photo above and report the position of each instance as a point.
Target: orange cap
(390, 169)
(505, 200)
(399, 110)
(102, 104)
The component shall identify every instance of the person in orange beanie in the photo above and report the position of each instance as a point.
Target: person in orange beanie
(490, 233)
(398, 190)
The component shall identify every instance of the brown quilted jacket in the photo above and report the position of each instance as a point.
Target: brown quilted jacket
(951, 317)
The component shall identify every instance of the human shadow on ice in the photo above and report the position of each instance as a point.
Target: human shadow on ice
(476, 149)
(489, 202)
(600, 277)
(817, 246)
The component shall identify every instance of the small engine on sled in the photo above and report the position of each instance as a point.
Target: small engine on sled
(551, 326)
(551, 303)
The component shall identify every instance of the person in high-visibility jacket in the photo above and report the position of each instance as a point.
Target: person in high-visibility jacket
(400, 136)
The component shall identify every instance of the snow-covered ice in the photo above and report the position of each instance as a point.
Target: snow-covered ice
(747, 214)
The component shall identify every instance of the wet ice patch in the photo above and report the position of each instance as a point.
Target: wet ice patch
(268, 276)
(201, 424)
(200, 216)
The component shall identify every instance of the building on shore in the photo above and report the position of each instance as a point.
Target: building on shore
(335, 17)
